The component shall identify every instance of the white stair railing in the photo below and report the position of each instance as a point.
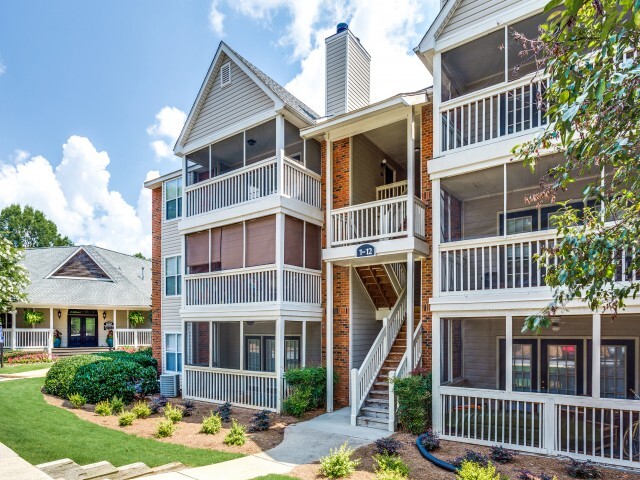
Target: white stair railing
(363, 378)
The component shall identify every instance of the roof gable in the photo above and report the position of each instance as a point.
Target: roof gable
(80, 265)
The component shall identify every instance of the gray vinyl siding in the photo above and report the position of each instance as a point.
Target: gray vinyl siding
(470, 12)
(358, 77)
(171, 246)
(226, 106)
(364, 326)
(335, 71)
(366, 158)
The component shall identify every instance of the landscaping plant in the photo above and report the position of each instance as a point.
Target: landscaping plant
(309, 389)
(298, 402)
(211, 424)
(117, 405)
(338, 463)
(31, 317)
(414, 401)
(260, 421)
(172, 413)
(135, 319)
(76, 400)
(391, 463)
(235, 435)
(142, 357)
(157, 403)
(126, 419)
(586, 469)
(430, 440)
(103, 408)
(499, 454)
(224, 411)
(187, 407)
(389, 475)
(473, 471)
(21, 357)
(387, 446)
(60, 376)
(165, 429)
(141, 409)
(472, 457)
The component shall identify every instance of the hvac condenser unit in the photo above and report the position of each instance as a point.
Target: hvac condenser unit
(169, 384)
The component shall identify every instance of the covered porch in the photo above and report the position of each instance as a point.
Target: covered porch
(572, 390)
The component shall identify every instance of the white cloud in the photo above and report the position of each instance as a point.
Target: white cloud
(216, 18)
(76, 196)
(165, 132)
(19, 155)
(3, 68)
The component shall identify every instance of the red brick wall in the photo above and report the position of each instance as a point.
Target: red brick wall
(156, 274)
(427, 263)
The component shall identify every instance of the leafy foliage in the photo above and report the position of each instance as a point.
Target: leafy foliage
(21, 357)
(165, 429)
(13, 276)
(126, 419)
(187, 407)
(60, 376)
(414, 402)
(236, 435)
(103, 408)
(136, 318)
(157, 403)
(260, 421)
(474, 471)
(211, 424)
(579, 469)
(591, 105)
(172, 413)
(29, 228)
(142, 357)
(76, 400)
(430, 440)
(389, 475)
(471, 456)
(338, 463)
(298, 402)
(391, 463)
(499, 454)
(33, 317)
(117, 405)
(224, 411)
(309, 390)
(387, 446)
(141, 409)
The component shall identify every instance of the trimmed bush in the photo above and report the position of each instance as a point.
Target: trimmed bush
(309, 389)
(260, 421)
(103, 408)
(187, 407)
(391, 463)
(172, 413)
(157, 403)
(211, 424)
(61, 374)
(414, 402)
(473, 471)
(126, 419)
(338, 463)
(471, 456)
(117, 405)
(141, 410)
(235, 435)
(224, 411)
(76, 400)
(389, 475)
(430, 440)
(298, 402)
(165, 429)
(388, 446)
(142, 357)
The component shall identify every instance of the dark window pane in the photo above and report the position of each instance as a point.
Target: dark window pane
(227, 155)
(260, 142)
(170, 286)
(313, 247)
(171, 209)
(198, 166)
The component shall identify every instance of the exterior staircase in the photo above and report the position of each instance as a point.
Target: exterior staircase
(378, 281)
(67, 469)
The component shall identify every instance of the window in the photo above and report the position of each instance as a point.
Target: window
(225, 74)
(198, 343)
(519, 225)
(522, 368)
(260, 353)
(613, 376)
(173, 276)
(562, 369)
(173, 198)
(173, 352)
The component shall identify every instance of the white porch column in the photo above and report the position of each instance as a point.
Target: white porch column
(329, 189)
(508, 353)
(115, 331)
(184, 186)
(410, 310)
(437, 81)
(280, 152)
(13, 328)
(279, 257)
(411, 184)
(50, 347)
(329, 328)
(242, 365)
(303, 347)
(435, 237)
(596, 334)
(436, 366)
(279, 362)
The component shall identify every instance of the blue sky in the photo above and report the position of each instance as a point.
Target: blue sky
(94, 76)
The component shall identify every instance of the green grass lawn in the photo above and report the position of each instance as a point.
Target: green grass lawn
(40, 433)
(24, 367)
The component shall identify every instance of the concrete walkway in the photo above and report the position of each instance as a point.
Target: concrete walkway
(31, 374)
(15, 468)
(303, 443)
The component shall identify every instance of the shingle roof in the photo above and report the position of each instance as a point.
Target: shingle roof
(131, 285)
(287, 97)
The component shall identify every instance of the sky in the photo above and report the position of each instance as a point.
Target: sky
(94, 94)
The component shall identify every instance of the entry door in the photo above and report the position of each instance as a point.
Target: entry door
(562, 363)
(83, 331)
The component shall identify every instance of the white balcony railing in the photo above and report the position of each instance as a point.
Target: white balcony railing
(238, 387)
(251, 183)
(379, 220)
(31, 338)
(392, 190)
(133, 337)
(494, 112)
(302, 285)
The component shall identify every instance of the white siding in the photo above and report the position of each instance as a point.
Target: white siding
(470, 12)
(358, 77)
(171, 246)
(336, 68)
(225, 106)
(364, 326)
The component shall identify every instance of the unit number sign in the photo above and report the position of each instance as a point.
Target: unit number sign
(366, 250)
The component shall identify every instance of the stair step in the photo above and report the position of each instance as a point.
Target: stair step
(378, 423)
(98, 470)
(375, 412)
(381, 386)
(63, 468)
(168, 467)
(382, 403)
(380, 392)
(133, 470)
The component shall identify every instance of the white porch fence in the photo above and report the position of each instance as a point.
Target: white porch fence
(392, 190)
(605, 430)
(302, 285)
(301, 183)
(494, 112)
(363, 378)
(28, 338)
(133, 337)
(379, 220)
(242, 388)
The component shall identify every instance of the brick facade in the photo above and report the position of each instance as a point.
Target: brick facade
(156, 274)
(427, 263)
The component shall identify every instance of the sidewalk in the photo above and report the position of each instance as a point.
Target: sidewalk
(15, 468)
(32, 374)
(303, 443)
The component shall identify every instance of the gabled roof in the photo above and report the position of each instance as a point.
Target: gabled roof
(80, 265)
(128, 278)
(281, 97)
(441, 20)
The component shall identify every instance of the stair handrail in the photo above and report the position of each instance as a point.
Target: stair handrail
(363, 378)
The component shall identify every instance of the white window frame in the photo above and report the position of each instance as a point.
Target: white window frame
(178, 275)
(178, 351)
(177, 198)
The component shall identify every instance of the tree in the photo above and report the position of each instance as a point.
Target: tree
(140, 256)
(29, 228)
(594, 119)
(13, 276)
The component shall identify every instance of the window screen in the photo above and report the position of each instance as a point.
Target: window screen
(261, 241)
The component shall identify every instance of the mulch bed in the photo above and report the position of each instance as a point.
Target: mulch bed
(420, 468)
(188, 431)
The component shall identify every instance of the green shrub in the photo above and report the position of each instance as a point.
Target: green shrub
(106, 379)
(312, 382)
(76, 400)
(141, 410)
(117, 405)
(235, 435)
(60, 376)
(298, 402)
(473, 471)
(338, 463)
(136, 318)
(126, 419)
(165, 429)
(172, 413)
(142, 357)
(391, 463)
(389, 475)
(414, 402)
(103, 408)
(211, 424)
